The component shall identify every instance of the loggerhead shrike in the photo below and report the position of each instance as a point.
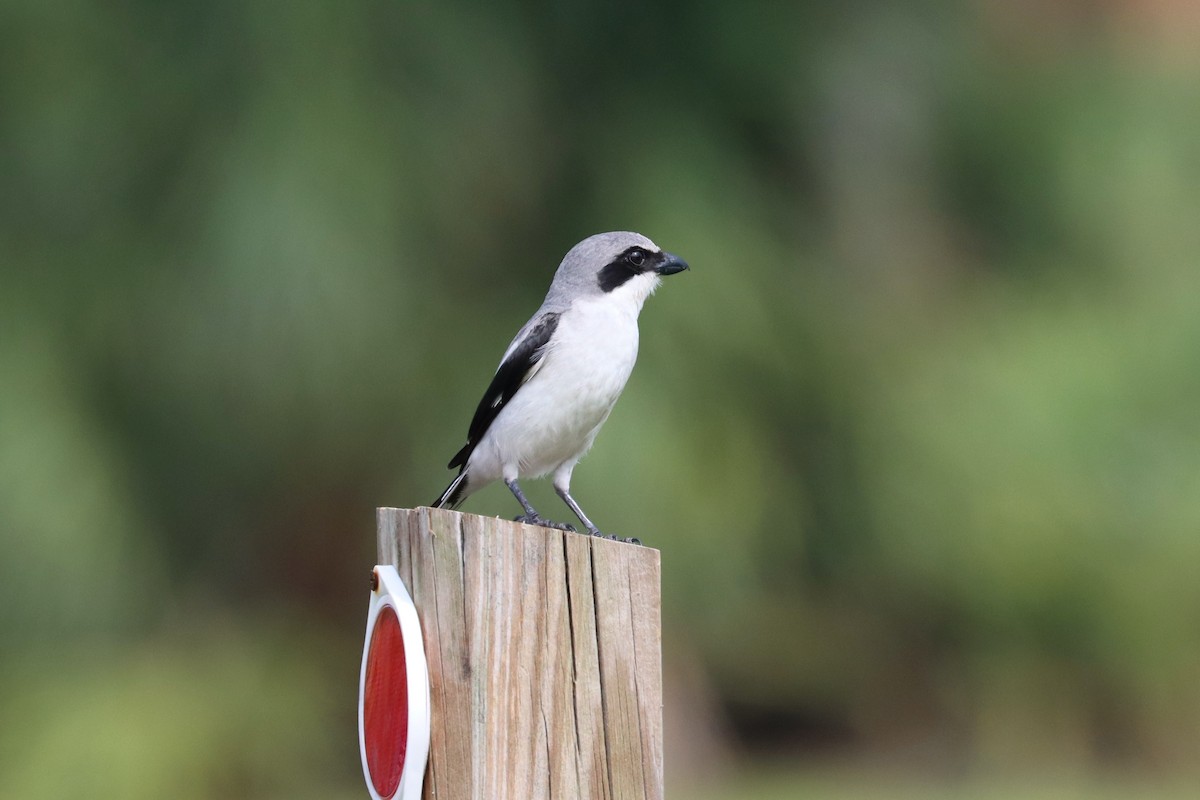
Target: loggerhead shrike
(562, 374)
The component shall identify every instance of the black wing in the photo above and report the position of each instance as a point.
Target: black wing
(513, 372)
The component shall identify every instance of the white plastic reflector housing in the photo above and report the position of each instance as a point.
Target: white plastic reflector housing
(393, 693)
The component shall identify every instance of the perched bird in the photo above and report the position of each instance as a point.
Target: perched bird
(562, 374)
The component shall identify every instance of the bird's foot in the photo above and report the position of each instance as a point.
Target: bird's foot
(613, 537)
(535, 519)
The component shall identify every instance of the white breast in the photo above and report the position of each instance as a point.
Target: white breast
(554, 417)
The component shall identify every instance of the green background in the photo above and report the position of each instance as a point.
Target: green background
(918, 436)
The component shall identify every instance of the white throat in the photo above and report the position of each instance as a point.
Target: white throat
(632, 294)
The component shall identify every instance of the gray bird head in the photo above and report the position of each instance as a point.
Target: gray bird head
(620, 262)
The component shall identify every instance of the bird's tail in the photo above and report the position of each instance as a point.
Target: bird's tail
(455, 493)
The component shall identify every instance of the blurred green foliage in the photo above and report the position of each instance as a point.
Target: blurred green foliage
(918, 436)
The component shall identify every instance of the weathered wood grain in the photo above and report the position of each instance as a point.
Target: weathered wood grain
(544, 653)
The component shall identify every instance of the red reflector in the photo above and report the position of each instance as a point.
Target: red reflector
(385, 704)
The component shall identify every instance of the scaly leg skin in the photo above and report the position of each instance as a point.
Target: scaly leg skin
(587, 523)
(531, 517)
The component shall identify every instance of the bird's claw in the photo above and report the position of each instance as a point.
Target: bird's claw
(534, 519)
(613, 537)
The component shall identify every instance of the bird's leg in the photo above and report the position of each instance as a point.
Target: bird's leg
(565, 494)
(525, 504)
(531, 517)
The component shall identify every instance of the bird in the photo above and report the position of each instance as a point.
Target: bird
(562, 374)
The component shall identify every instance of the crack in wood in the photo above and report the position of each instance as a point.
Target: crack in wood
(597, 605)
(574, 655)
(637, 685)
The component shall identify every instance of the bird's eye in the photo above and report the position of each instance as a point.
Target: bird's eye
(636, 257)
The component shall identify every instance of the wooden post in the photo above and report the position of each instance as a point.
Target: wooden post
(544, 652)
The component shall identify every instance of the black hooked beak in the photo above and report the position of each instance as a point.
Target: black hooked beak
(671, 264)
